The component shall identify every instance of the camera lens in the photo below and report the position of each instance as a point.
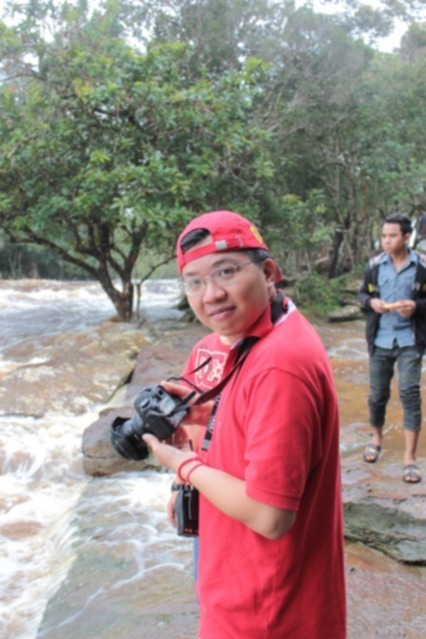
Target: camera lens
(125, 435)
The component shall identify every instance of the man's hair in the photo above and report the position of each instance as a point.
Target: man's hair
(402, 220)
(194, 237)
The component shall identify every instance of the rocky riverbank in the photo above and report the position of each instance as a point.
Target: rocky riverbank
(384, 518)
(380, 510)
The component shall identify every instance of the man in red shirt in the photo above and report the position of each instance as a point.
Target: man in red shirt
(268, 472)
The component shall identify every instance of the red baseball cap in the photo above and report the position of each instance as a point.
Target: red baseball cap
(229, 232)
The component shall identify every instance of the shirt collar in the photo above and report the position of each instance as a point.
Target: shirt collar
(263, 325)
(385, 258)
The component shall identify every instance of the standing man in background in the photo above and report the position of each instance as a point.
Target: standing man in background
(393, 295)
(268, 471)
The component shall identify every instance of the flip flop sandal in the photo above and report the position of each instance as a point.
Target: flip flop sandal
(371, 453)
(411, 474)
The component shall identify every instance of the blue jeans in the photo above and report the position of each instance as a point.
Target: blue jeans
(409, 365)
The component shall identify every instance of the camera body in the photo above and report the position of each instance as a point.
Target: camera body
(157, 412)
(187, 508)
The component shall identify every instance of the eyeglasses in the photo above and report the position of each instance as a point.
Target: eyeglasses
(221, 276)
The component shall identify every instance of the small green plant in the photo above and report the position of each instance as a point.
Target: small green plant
(317, 295)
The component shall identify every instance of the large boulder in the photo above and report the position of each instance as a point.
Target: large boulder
(155, 362)
(345, 314)
(75, 371)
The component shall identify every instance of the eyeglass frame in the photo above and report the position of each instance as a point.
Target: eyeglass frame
(204, 278)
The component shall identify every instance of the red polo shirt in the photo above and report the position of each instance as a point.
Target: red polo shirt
(277, 428)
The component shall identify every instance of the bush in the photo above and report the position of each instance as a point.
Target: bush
(317, 295)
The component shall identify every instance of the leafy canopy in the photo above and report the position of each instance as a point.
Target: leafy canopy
(107, 151)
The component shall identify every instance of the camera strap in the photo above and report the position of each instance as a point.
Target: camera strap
(215, 392)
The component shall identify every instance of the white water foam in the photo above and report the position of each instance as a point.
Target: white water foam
(41, 476)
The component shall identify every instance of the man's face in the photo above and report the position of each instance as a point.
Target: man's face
(230, 306)
(393, 241)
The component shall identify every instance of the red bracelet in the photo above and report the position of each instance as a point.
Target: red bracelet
(184, 463)
(188, 480)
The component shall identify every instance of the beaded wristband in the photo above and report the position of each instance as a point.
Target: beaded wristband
(184, 463)
(188, 480)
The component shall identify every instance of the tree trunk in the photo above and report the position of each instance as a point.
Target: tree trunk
(337, 243)
(122, 300)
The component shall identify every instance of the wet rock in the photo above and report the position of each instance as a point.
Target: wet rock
(130, 577)
(154, 363)
(76, 370)
(383, 512)
(385, 599)
(353, 287)
(345, 314)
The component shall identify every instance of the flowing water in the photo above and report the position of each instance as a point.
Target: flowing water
(42, 483)
(54, 520)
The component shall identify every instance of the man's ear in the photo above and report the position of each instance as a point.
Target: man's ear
(270, 270)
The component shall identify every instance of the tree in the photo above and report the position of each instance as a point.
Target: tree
(224, 34)
(108, 147)
(106, 151)
(413, 44)
(318, 146)
(326, 138)
(394, 115)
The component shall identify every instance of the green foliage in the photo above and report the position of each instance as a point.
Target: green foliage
(107, 152)
(301, 238)
(316, 295)
(119, 123)
(151, 262)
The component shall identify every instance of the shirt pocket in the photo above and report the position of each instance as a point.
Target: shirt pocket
(405, 288)
(383, 279)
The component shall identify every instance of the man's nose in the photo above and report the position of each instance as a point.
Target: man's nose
(212, 290)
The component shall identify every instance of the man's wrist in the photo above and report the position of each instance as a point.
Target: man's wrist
(184, 466)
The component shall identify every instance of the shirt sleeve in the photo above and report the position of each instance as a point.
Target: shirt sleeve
(284, 439)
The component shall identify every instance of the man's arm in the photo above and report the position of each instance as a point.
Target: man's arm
(420, 303)
(365, 295)
(368, 301)
(226, 492)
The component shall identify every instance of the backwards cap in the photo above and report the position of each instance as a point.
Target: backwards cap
(229, 232)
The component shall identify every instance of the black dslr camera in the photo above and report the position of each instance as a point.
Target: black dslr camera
(157, 412)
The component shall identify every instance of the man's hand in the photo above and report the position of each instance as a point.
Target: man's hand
(226, 492)
(379, 306)
(197, 415)
(165, 454)
(406, 308)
